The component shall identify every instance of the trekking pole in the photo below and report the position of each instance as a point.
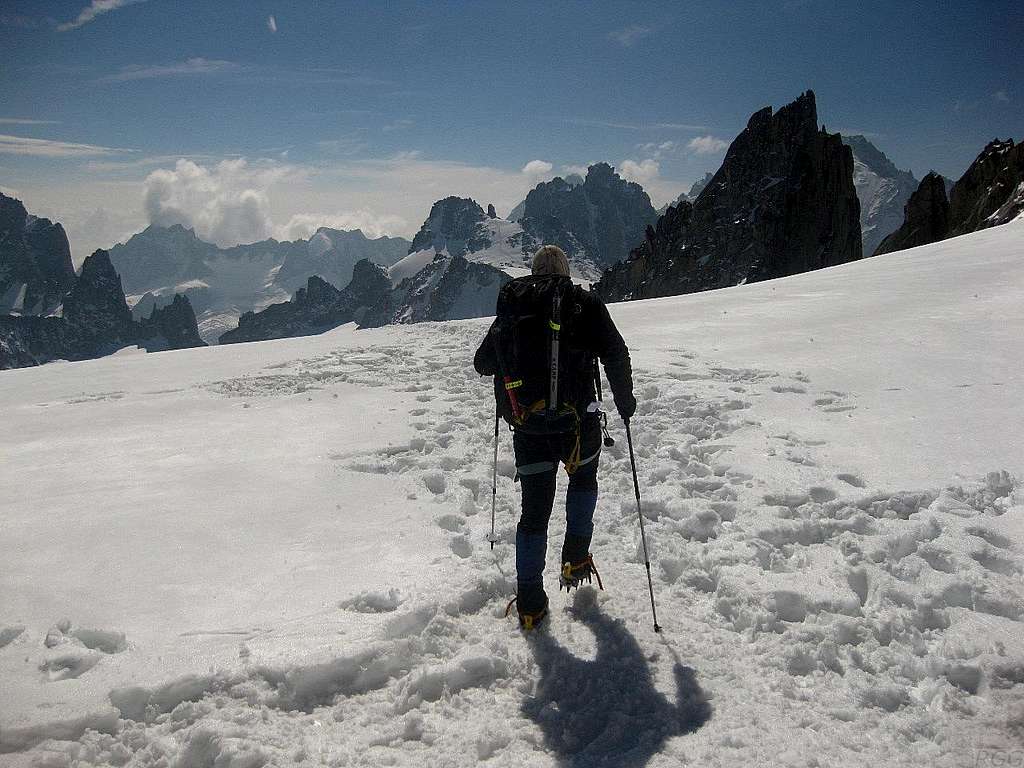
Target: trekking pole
(643, 536)
(494, 479)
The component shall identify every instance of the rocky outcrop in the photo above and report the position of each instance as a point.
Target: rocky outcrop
(35, 261)
(926, 217)
(454, 225)
(316, 308)
(883, 191)
(783, 202)
(491, 213)
(95, 307)
(980, 198)
(448, 288)
(600, 219)
(174, 323)
(95, 320)
(990, 193)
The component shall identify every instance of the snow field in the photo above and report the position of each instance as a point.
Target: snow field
(837, 564)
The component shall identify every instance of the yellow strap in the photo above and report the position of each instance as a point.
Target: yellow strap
(555, 326)
(573, 462)
(513, 384)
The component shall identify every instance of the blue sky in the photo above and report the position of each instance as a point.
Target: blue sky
(251, 119)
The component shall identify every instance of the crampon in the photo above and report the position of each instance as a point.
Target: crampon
(527, 621)
(574, 575)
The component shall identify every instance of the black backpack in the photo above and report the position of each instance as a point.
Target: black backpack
(535, 315)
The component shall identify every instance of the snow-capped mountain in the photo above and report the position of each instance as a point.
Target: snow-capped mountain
(458, 226)
(223, 283)
(449, 287)
(883, 191)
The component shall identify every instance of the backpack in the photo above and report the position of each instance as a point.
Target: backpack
(534, 316)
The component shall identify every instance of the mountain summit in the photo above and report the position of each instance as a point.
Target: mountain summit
(783, 202)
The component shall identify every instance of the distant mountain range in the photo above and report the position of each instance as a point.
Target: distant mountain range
(223, 283)
(788, 198)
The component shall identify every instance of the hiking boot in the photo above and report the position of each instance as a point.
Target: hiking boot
(531, 605)
(574, 574)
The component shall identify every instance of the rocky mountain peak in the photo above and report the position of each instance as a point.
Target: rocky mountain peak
(871, 156)
(980, 197)
(175, 323)
(783, 202)
(453, 224)
(598, 221)
(96, 302)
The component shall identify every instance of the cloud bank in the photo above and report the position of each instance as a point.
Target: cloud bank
(225, 204)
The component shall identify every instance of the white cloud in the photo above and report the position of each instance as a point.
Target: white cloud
(21, 145)
(22, 121)
(642, 173)
(94, 9)
(658, 151)
(1001, 96)
(537, 169)
(225, 204)
(302, 225)
(629, 36)
(194, 66)
(707, 145)
(579, 170)
(272, 23)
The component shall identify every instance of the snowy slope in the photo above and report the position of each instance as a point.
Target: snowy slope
(275, 553)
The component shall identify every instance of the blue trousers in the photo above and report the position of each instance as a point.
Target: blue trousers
(537, 460)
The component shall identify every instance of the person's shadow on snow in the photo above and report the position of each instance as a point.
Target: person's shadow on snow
(607, 712)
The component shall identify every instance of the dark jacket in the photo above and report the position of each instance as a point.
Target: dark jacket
(590, 331)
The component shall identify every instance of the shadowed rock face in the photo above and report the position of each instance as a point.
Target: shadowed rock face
(926, 217)
(176, 323)
(602, 218)
(95, 306)
(35, 261)
(991, 192)
(782, 203)
(95, 321)
(316, 308)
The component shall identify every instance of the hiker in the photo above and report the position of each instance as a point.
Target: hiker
(539, 317)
